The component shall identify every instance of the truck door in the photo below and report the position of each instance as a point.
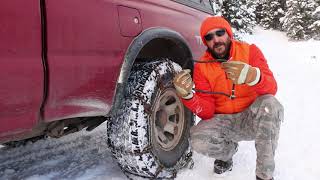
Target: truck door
(84, 57)
(21, 70)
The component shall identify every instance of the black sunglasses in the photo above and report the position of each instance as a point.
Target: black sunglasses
(218, 33)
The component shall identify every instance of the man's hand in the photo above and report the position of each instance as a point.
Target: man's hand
(241, 73)
(183, 84)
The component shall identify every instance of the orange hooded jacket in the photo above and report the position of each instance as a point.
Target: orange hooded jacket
(211, 77)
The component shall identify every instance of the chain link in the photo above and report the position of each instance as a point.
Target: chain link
(170, 66)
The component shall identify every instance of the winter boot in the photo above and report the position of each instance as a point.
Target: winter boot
(221, 167)
(257, 178)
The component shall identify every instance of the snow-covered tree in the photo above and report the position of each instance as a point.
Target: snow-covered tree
(270, 13)
(252, 8)
(299, 20)
(259, 13)
(315, 26)
(239, 14)
(216, 6)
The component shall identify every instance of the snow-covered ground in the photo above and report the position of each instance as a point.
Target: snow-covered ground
(296, 66)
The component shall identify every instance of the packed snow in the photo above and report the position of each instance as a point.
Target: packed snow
(296, 66)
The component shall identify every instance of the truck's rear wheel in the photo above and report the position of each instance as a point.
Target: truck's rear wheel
(149, 134)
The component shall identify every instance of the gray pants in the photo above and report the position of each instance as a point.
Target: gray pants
(219, 136)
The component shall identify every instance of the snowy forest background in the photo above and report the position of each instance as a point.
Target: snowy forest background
(300, 19)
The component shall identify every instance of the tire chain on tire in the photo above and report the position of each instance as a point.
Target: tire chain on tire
(186, 158)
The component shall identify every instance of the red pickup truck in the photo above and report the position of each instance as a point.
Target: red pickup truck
(69, 65)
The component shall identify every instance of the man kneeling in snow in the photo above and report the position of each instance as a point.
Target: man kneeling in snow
(238, 104)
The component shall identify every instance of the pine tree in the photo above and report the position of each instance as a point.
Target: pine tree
(239, 14)
(299, 19)
(216, 5)
(259, 13)
(315, 26)
(252, 6)
(271, 12)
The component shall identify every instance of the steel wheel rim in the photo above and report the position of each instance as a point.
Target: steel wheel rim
(168, 120)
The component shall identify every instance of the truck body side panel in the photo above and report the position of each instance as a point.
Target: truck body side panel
(171, 15)
(21, 74)
(84, 57)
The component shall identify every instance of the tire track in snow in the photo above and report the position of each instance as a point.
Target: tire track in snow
(69, 157)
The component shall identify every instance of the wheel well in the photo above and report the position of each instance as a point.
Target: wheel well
(161, 47)
(151, 44)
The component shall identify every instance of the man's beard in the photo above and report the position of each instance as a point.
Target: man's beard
(225, 54)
